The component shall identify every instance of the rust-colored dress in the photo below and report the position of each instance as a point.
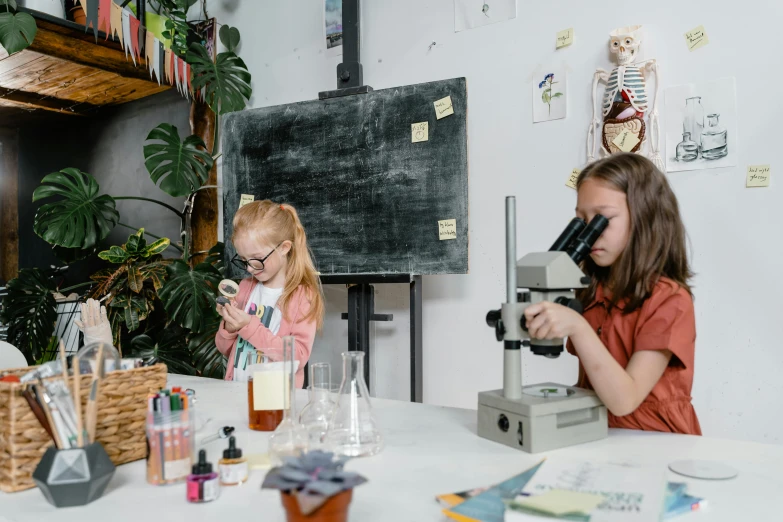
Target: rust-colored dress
(665, 321)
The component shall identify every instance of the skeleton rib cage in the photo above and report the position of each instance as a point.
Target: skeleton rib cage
(631, 80)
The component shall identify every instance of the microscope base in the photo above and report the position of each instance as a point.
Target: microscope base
(536, 423)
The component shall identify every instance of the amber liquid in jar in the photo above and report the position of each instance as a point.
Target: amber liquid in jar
(261, 420)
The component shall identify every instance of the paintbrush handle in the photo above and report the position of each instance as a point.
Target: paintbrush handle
(91, 416)
(77, 402)
(38, 411)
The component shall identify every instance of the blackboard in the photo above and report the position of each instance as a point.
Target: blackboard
(370, 200)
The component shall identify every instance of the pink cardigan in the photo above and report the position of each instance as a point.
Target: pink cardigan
(259, 335)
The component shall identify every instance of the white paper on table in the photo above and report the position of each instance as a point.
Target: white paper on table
(469, 14)
(635, 493)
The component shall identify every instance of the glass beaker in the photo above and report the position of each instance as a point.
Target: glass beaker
(714, 143)
(352, 429)
(290, 437)
(265, 401)
(694, 118)
(317, 412)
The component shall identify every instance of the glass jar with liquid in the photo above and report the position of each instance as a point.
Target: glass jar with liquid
(713, 140)
(265, 401)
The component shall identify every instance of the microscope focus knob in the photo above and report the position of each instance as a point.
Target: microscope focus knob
(573, 304)
(494, 321)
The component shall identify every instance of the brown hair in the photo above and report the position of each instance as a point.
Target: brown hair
(656, 242)
(273, 223)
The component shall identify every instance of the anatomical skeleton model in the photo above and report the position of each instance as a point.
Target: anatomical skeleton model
(626, 100)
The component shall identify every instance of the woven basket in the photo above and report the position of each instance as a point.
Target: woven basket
(122, 413)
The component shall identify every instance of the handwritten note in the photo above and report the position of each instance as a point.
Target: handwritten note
(626, 140)
(443, 107)
(758, 176)
(571, 182)
(245, 199)
(696, 38)
(447, 229)
(564, 38)
(420, 132)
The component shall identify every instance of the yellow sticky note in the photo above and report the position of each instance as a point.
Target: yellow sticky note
(696, 38)
(447, 229)
(626, 140)
(245, 199)
(259, 461)
(571, 182)
(420, 132)
(758, 176)
(564, 38)
(560, 502)
(443, 107)
(268, 391)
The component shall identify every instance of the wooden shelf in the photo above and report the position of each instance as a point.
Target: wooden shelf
(66, 71)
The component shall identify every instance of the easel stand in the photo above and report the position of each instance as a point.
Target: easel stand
(361, 310)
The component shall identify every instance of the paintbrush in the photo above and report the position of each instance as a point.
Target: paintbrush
(37, 410)
(44, 402)
(77, 402)
(64, 361)
(91, 417)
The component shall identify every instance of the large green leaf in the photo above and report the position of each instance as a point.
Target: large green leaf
(155, 272)
(81, 218)
(29, 310)
(217, 257)
(135, 309)
(115, 254)
(169, 346)
(230, 37)
(206, 358)
(189, 295)
(182, 165)
(17, 31)
(226, 82)
(108, 280)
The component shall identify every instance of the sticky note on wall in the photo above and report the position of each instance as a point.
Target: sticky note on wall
(696, 38)
(447, 229)
(571, 182)
(758, 176)
(420, 132)
(626, 140)
(443, 107)
(245, 199)
(564, 38)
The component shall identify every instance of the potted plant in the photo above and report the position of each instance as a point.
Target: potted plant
(314, 487)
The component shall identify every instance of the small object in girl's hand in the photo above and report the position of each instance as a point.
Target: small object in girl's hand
(222, 300)
(228, 288)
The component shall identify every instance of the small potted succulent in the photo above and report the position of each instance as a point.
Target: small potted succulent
(314, 487)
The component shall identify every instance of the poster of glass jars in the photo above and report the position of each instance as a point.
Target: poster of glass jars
(701, 125)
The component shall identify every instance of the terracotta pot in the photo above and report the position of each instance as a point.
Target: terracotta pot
(334, 510)
(78, 15)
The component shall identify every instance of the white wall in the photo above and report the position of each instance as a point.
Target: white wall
(734, 231)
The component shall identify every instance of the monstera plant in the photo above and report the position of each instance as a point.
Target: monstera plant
(17, 30)
(159, 307)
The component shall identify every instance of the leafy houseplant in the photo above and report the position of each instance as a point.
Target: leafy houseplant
(161, 308)
(17, 30)
(314, 486)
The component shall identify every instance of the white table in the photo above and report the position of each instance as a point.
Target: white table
(429, 450)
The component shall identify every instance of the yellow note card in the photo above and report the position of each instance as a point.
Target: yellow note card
(447, 229)
(626, 140)
(572, 179)
(443, 107)
(268, 390)
(560, 502)
(245, 199)
(420, 132)
(696, 38)
(564, 38)
(758, 176)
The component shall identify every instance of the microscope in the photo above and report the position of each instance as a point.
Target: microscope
(545, 416)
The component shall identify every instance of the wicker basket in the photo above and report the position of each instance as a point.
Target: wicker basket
(122, 411)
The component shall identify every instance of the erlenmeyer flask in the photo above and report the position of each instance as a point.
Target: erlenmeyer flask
(352, 429)
(315, 415)
(290, 438)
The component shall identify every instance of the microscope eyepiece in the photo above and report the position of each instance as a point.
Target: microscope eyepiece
(571, 231)
(580, 248)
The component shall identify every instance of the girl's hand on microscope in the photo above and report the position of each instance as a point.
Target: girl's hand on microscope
(548, 320)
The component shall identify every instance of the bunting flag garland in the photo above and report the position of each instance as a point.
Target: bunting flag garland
(91, 12)
(134, 33)
(156, 57)
(162, 61)
(126, 36)
(115, 23)
(104, 16)
(149, 51)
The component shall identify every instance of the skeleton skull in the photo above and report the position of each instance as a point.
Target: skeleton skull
(624, 44)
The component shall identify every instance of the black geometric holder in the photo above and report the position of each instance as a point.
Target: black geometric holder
(74, 477)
